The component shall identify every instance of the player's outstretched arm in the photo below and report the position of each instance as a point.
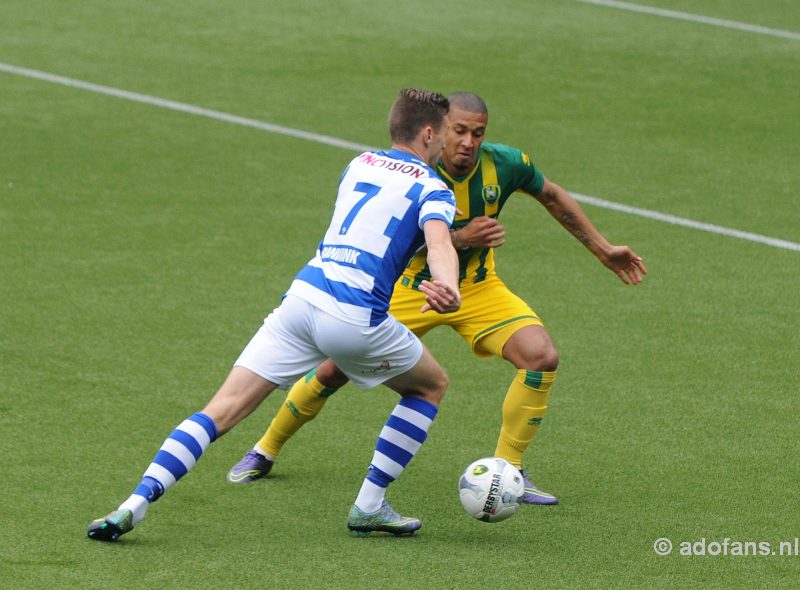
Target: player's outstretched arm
(441, 293)
(623, 261)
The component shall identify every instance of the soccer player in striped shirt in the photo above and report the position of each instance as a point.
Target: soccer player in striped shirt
(492, 320)
(389, 204)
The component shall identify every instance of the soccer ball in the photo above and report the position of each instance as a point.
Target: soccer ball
(491, 489)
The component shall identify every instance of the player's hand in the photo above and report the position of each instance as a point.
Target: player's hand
(626, 264)
(439, 297)
(481, 232)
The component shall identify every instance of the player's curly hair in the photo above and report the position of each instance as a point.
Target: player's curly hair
(414, 109)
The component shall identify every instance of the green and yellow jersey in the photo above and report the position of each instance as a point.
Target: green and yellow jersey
(500, 172)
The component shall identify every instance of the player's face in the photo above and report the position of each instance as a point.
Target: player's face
(437, 143)
(463, 140)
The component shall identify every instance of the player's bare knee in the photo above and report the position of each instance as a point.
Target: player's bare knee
(442, 385)
(330, 376)
(548, 360)
(532, 348)
(223, 420)
(432, 396)
(433, 389)
(536, 359)
(438, 387)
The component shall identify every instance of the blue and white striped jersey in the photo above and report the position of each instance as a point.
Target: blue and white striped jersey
(384, 199)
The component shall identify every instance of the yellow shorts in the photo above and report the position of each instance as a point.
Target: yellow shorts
(490, 313)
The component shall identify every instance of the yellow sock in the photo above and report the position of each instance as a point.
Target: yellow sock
(523, 410)
(304, 402)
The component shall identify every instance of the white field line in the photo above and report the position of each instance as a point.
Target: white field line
(696, 18)
(682, 221)
(340, 143)
(181, 107)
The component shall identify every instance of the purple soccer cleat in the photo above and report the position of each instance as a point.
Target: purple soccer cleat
(253, 466)
(534, 495)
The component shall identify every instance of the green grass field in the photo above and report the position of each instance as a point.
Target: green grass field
(141, 247)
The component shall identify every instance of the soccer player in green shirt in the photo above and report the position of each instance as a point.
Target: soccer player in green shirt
(492, 320)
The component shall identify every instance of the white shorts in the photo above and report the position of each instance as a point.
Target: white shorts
(296, 337)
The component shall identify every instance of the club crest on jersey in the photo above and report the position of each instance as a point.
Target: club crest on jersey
(491, 192)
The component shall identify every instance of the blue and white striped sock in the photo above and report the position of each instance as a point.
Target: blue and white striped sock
(400, 439)
(175, 458)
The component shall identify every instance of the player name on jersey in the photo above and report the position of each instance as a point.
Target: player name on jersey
(346, 255)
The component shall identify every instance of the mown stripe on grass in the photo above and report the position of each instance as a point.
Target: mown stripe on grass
(349, 145)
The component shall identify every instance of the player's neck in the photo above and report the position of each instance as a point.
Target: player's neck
(411, 149)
